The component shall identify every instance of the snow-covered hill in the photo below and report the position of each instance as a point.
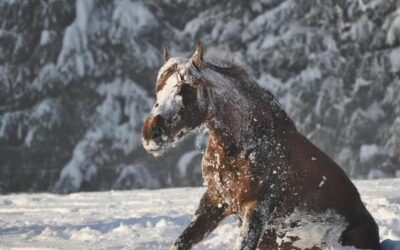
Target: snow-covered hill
(144, 219)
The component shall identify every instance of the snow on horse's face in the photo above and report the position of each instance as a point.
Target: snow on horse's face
(179, 107)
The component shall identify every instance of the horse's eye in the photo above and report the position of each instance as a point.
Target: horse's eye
(188, 94)
(185, 89)
(156, 105)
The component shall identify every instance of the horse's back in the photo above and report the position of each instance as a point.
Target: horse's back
(321, 182)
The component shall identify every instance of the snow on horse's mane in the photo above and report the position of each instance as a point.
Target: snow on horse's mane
(217, 67)
(226, 66)
(234, 79)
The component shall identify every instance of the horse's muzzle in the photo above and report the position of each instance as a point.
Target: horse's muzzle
(153, 134)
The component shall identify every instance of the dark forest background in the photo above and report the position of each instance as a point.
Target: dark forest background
(77, 79)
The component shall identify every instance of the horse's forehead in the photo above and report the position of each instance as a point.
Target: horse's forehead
(176, 62)
(167, 96)
(169, 69)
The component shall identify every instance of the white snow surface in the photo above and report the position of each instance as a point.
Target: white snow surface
(144, 219)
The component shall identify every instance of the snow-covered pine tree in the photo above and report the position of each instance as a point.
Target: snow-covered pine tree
(76, 80)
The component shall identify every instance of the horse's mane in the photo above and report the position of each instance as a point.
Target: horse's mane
(226, 64)
(239, 77)
(236, 81)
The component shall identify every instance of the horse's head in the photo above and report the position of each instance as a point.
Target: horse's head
(181, 105)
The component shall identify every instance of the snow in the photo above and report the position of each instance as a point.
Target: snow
(130, 19)
(267, 19)
(75, 42)
(322, 182)
(137, 176)
(394, 58)
(88, 156)
(44, 37)
(376, 174)
(313, 229)
(144, 219)
(394, 29)
(185, 160)
(367, 152)
(168, 98)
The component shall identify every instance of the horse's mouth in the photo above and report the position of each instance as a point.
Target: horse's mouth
(156, 152)
(153, 148)
(158, 149)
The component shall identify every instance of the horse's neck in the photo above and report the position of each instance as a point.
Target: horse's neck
(230, 120)
(241, 111)
(238, 121)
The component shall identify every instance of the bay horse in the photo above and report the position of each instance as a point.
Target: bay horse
(286, 193)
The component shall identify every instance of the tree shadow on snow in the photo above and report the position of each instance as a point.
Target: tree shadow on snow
(390, 245)
(101, 226)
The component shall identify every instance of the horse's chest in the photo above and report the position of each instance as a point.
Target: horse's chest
(230, 176)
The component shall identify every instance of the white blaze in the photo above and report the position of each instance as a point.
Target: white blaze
(167, 98)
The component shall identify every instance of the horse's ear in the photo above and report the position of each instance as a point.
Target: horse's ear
(166, 54)
(198, 56)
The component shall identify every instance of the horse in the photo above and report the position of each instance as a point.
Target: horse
(285, 192)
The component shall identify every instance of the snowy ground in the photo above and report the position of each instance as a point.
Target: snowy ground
(143, 219)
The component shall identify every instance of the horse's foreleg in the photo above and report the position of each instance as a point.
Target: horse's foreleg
(206, 219)
(252, 228)
(268, 240)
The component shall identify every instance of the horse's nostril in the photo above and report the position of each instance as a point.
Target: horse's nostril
(157, 132)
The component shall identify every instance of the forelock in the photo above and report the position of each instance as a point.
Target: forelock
(172, 62)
